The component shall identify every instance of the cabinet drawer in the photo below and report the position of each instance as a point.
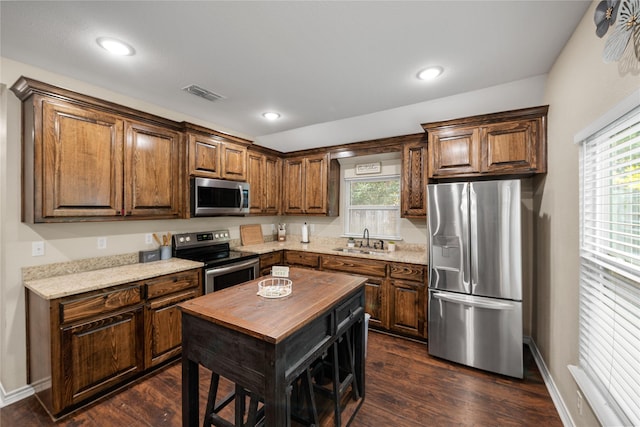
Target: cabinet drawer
(171, 283)
(354, 265)
(349, 311)
(96, 304)
(272, 258)
(411, 272)
(302, 258)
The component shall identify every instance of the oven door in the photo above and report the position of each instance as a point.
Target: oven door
(225, 276)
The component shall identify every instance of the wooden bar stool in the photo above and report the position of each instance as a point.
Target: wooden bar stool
(304, 398)
(340, 362)
(255, 415)
(238, 395)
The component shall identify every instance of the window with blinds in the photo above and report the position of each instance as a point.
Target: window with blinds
(609, 327)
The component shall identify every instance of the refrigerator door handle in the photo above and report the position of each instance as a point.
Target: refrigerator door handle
(467, 273)
(474, 302)
(473, 236)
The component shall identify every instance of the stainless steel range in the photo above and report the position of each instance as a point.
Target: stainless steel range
(223, 267)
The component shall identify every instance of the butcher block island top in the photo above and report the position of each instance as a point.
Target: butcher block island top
(273, 319)
(264, 345)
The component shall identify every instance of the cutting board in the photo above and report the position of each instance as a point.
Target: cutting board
(251, 234)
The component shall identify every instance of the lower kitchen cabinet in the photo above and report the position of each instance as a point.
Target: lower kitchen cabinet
(395, 293)
(99, 354)
(408, 308)
(408, 299)
(302, 259)
(162, 315)
(268, 260)
(376, 271)
(83, 345)
(376, 302)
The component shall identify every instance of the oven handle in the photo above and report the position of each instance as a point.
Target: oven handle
(231, 268)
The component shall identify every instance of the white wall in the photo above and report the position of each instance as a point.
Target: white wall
(64, 242)
(580, 88)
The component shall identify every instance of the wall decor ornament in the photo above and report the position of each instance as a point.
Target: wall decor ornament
(623, 17)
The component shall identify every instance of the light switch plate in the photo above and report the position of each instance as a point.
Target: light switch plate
(279, 271)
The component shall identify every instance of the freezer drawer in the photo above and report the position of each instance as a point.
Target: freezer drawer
(484, 333)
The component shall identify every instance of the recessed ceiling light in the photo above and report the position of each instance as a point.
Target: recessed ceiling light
(271, 116)
(430, 73)
(115, 46)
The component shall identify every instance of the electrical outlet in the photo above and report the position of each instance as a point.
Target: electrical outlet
(579, 402)
(148, 238)
(37, 248)
(102, 243)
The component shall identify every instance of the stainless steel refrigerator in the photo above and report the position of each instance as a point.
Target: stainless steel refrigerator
(475, 274)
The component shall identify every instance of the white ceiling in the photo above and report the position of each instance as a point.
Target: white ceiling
(312, 61)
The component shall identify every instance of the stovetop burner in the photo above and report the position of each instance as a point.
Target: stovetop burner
(211, 248)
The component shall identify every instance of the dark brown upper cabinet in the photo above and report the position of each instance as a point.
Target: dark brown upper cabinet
(506, 143)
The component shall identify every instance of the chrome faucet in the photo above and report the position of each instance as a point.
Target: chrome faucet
(365, 235)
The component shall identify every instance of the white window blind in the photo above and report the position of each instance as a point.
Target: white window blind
(609, 331)
(374, 204)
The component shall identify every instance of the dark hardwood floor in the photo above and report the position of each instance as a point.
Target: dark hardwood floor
(405, 387)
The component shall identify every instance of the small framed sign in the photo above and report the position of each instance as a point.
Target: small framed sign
(279, 271)
(368, 168)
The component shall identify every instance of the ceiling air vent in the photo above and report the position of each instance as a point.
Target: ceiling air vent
(203, 93)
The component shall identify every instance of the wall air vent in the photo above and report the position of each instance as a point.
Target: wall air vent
(203, 93)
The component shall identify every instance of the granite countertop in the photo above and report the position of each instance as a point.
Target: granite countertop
(412, 254)
(63, 285)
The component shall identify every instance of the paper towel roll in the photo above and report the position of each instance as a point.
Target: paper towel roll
(305, 233)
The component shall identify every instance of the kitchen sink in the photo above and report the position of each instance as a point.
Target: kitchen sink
(363, 251)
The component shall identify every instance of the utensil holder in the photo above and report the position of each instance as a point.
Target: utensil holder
(165, 252)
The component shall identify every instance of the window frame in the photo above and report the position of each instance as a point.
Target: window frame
(609, 286)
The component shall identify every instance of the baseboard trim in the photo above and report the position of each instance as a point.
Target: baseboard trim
(7, 399)
(559, 403)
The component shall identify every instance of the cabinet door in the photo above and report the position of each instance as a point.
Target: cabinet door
(152, 171)
(233, 161)
(510, 147)
(454, 152)
(268, 260)
(164, 327)
(100, 354)
(294, 180)
(204, 156)
(414, 180)
(81, 160)
(316, 185)
(407, 311)
(256, 175)
(272, 185)
(375, 303)
(302, 259)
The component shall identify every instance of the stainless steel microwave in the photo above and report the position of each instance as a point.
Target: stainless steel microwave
(214, 197)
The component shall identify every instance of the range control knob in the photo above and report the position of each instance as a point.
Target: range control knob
(181, 240)
(188, 239)
(216, 235)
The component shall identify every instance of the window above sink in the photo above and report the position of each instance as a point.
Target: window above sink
(372, 195)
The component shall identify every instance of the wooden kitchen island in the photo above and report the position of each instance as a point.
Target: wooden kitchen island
(264, 344)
